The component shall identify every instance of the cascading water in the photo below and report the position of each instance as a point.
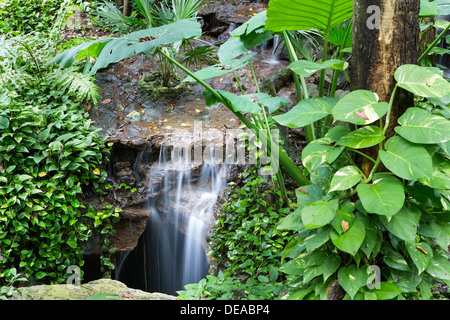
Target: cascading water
(171, 252)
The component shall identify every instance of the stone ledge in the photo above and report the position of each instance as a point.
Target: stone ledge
(86, 291)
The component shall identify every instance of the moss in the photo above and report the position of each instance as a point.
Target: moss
(86, 291)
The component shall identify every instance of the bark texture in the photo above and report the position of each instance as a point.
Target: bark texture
(379, 49)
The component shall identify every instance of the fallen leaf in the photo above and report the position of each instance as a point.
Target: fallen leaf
(106, 101)
(344, 225)
(305, 191)
(422, 249)
(198, 110)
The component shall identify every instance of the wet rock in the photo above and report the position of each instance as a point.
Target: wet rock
(129, 228)
(278, 80)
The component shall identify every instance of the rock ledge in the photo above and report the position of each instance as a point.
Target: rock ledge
(86, 291)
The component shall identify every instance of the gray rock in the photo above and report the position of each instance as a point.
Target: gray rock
(117, 289)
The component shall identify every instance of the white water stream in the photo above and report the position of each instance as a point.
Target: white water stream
(171, 252)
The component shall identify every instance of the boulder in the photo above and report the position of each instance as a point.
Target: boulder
(100, 287)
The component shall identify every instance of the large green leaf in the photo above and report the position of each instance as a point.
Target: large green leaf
(249, 35)
(319, 213)
(306, 112)
(131, 44)
(345, 178)
(421, 81)
(362, 138)
(405, 159)
(351, 279)
(359, 107)
(420, 126)
(306, 68)
(306, 14)
(403, 224)
(351, 240)
(385, 196)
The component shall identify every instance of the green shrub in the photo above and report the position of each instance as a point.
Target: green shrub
(28, 16)
(50, 155)
(49, 151)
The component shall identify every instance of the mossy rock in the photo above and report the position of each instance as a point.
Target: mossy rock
(97, 289)
(150, 86)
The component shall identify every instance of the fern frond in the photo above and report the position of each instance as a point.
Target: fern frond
(79, 84)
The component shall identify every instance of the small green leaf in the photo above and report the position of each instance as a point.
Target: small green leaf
(362, 138)
(419, 258)
(359, 107)
(351, 240)
(387, 291)
(319, 213)
(351, 279)
(4, 123)
(440, 267)
(306, 68)
(345, 178)
(330, 265)
(306, 112)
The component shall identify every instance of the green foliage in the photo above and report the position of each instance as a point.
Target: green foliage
(347, 223)
(147, 14)
(384, 219)
(22, 63)
(246, 244)
(50, 155)
(116, 49)
(29, 16)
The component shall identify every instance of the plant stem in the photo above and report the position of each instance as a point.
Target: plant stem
(433, 44)
(309, 129)
(284, 160)
(279, 174)
(388, 114)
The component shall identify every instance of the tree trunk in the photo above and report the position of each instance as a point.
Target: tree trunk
(123, 5)
(385, 36)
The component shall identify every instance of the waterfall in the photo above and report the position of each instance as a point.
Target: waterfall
(171, 251)
(274, 59)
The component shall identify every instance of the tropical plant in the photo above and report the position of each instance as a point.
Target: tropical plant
(147, 15)
(22, 62)
(50, 154)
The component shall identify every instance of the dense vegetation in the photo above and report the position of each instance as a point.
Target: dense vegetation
(50, 154)
(341, 230)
